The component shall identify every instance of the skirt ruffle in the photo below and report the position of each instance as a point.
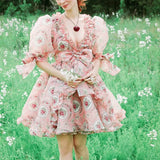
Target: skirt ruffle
(54, 108)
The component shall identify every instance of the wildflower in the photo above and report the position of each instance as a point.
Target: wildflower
(156, 24)
(152, 145)
(140, 114)
(148, 39)
(118, 54)
(14, 52)
(147, 19)
(112, 29)
(152, 134)
(35, 73)
(5, 53)
(25, 94)
(158, 29)
(1, 31)
(145, 92)
(120, 34)
(142, 43)
(144, 31)
(107, 15)
(139, 19)
(125, 30)
(121, 99)
(117, 15)
(2, 115)
(138, 33)
(10, 140)
(4, 61)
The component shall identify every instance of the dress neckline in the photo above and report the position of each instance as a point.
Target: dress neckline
(68, 37)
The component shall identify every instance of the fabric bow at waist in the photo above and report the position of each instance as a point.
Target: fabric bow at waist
(84, 56)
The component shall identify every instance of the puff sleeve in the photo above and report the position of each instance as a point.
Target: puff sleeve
(40, 45)
(99, 44)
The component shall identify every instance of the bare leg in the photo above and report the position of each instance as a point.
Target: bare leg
(65, 144)
(81, 150)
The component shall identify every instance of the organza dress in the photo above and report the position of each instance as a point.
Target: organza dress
(53, 107)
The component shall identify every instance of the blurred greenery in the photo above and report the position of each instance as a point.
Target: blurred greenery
(125, 8)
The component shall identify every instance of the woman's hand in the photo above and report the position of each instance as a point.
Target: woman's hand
(91, 76)
(74, 83)
(71, 83)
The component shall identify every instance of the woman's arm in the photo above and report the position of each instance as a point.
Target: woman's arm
(48, 68)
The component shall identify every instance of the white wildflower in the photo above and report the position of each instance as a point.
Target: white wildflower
(156, 24)
(14, 53)
(25, 94)
(140, 114)
(152, 134)
(146, 19)
(138, 33)
(117, 15)
(5, 62)
(112, 29)
(125, 30)
(148, 39)
(121, 35)
(145, 92)
(158, 29)
(139, 19)
(121, 99)
(152, 145)
(118, 54)
(144, 31)
(10, 140)
(5, 53)
(142, 44)
(2, 115)
(35, 73)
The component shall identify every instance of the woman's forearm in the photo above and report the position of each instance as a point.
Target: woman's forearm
(96, 64)
(48, 68)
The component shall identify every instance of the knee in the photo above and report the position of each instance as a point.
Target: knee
(65, 145)
(79, 146)
(65, 148)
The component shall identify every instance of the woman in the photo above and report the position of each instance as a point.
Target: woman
(69, 99)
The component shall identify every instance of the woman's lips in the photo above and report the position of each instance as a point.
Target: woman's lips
(65, 6)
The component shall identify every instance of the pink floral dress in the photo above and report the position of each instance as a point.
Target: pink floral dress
(53, 107)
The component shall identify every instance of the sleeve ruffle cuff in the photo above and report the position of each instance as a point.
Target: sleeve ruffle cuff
(107, 66)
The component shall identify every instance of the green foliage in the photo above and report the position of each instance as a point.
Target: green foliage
(101, 6)
(124, 8)
(142, 8)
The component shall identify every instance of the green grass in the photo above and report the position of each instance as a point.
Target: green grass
(139, 70)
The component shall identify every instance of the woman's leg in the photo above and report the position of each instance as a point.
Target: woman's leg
(65, 145)
(81, 150)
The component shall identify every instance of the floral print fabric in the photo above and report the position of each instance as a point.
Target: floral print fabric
(53, 107)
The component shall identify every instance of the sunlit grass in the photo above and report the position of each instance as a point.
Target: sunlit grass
(135, 44)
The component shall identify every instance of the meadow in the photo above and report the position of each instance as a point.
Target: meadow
(135, 44)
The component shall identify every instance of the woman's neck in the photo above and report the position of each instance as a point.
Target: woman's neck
(73, 12)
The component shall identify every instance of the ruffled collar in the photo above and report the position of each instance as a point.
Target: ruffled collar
(88, 27)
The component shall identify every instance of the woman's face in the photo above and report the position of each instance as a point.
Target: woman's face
(67, 4)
